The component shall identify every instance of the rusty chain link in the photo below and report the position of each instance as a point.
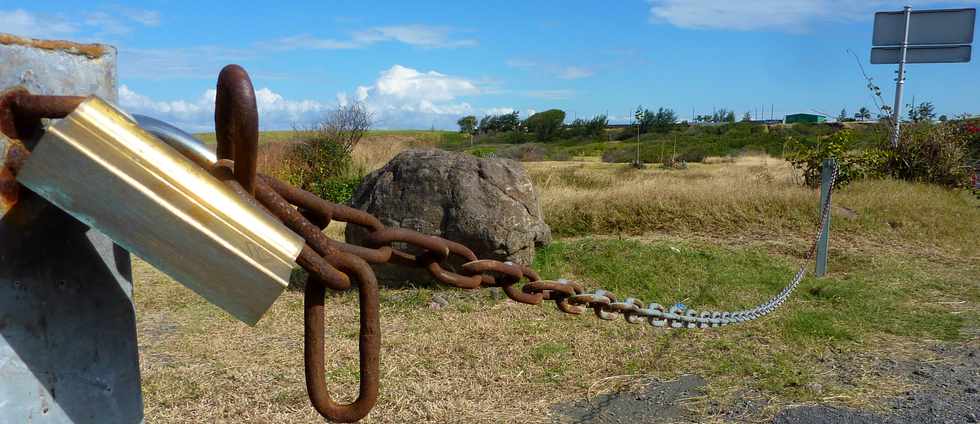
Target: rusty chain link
(337, 265)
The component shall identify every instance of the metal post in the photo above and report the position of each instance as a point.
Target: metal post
(68, 351)
(900, 80)
(638, 144)
(826, 173)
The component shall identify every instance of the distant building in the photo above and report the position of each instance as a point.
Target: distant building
(808, 118)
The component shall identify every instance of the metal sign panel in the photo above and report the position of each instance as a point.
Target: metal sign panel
(926, 27)
(931, 54)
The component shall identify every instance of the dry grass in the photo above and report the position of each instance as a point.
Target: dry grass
(373, 152)
(376, 150)
(754, 197)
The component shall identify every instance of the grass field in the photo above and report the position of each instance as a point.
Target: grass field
(905, 261)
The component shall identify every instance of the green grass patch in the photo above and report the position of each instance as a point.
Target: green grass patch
(893, 296)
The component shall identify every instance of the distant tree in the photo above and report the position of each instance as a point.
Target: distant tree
(730, 117)
(485, 124)
(467, 124)
(863, 114)
(943, 118)
(509, 121)
(546, 125)
(644, 119)
(926, 112)
(500, 123)
(747, 117)
(596, 126)
(843, 116)
(662, 121)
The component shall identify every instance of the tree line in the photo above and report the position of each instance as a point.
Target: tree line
(550, 125)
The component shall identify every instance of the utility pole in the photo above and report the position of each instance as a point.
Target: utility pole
(900, 80)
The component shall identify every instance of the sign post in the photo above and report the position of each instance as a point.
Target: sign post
(924, 36)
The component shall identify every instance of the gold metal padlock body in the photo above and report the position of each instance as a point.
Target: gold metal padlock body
(100, 167)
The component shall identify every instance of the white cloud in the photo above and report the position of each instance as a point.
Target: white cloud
(400, 97)
(414, 35)
(567, 72)
(275, 111)
(574, 72)
(403, 97)
(750, 15)
(559, 94)
(106, 24)
(144, 17)
(498, 111)
(25, 24)
(182, 62)
(96, 23)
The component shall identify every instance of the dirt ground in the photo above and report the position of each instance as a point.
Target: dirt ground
(946, 391)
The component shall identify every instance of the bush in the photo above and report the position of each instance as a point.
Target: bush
(937, 154)
(618, 155)
(851, 164)
(484, 151)
(337, 189)
(524, 153)
(320, 159)
(693, 154)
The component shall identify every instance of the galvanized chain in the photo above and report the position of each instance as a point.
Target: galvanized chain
(569, 296)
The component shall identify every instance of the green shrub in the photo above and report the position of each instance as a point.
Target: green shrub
(693, 154)
(337, 189)
(852, 164)
(483, 151)
(320, 161)
(932, 153)
(524, 152)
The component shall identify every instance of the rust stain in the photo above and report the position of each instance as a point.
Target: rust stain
(92, 51)
(12, 159)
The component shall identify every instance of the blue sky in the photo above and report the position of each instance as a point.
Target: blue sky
(426, 63)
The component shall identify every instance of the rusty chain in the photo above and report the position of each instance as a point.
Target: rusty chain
(338, 266)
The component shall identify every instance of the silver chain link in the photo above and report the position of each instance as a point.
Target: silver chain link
(606, 307)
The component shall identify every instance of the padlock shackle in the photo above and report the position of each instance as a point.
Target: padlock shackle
(186, 144)
(236, 124)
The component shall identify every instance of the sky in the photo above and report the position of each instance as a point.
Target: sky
(425, 64)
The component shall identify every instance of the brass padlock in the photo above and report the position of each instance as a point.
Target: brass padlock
(98, 165)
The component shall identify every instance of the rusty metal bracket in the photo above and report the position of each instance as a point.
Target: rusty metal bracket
(20, 121)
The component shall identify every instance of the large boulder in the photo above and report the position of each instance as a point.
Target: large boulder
(488, 205)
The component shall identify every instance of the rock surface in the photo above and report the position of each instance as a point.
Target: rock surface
(488, 205)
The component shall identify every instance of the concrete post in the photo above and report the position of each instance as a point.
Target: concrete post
(68, 351)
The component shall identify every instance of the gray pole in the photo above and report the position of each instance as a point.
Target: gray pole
(637, 144)
(900, 81)
(826, 172)
(68, 350)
